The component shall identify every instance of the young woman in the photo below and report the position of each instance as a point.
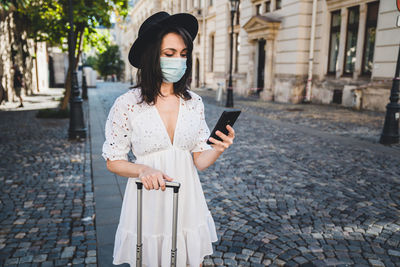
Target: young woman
(163, 122)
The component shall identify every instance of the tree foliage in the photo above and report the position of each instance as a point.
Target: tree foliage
(47, 20)
(109, 62)
(90, 61)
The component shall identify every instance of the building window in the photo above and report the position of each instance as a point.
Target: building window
(212, 53)
(334, 42)
(351, 40)
(278, 4)
(211, 2)
(237, 50)
(258, 9)
(198, 38)
(370, 32)
(267, 6)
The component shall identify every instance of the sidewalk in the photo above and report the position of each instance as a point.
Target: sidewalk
(45, 99)
(108, 188)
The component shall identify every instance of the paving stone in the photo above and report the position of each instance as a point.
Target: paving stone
(12, 261)
(300, 260)
(394, 253)
(230, 262)
(229, 255)
(62, 262)
(91, 253)
(218, 261)
(26, 259)
(40, 258)
(78, 261)
(279, 262)
(247, 252)
(217, 254)
(255, 260)
(47, 264)
(68, 252)
(90, 260)
(376, 263)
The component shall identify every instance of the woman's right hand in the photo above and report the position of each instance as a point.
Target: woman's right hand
(153, 179)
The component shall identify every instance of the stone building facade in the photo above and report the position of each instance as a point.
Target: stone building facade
(16, 48)
(354, 56)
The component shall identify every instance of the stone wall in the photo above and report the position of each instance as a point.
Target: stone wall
(16, 48)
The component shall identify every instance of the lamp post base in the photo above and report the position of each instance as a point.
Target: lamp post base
(390, 133)
(77, 134)
(84, 86)
(229, 98)
(77, 127)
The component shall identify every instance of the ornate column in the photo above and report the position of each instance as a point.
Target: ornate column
(267, 93)
(342, 42)
(360, 40)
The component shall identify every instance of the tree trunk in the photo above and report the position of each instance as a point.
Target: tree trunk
(67, 93)
(68, 82)
(20, 38)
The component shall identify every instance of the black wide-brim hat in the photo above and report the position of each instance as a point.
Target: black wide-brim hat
(155, 23)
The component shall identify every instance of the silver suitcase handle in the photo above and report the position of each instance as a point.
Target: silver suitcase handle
(175, 186)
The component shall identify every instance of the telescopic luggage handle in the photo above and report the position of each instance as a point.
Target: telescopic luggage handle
(139, 245)
(167, 184)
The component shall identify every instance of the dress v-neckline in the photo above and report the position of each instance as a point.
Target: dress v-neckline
(176, 124)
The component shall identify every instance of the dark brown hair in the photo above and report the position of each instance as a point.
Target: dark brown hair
(149, 77)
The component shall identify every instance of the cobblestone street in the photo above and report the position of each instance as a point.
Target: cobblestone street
(303, 185)
(46, 201)
(294, 191)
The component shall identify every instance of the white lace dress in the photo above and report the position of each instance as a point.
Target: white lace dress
(139, 127)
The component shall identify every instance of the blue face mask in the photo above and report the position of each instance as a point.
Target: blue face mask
(172, 68)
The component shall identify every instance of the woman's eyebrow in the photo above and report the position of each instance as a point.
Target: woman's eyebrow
(173, 49)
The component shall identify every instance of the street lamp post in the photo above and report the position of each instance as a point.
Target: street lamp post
(77, 127)
(390, 133)
(229, 97)
(130, 70)
(84, 83)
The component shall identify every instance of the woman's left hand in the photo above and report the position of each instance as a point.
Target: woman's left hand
(227, 140)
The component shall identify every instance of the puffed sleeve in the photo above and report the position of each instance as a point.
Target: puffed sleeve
(204, 131)
(118, 131)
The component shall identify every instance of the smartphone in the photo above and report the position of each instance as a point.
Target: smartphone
(228, 117)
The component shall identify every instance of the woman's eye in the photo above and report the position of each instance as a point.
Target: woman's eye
(169, 55)
(183, 55)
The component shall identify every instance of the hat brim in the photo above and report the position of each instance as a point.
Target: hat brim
(184, 20)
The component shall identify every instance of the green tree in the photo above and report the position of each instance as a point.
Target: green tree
(47, 20)
(109, 62)
(91, 61)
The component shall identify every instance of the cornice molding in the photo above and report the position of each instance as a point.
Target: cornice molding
(262, 27)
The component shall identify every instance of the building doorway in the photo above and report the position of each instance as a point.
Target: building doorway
(260, 65)
(197, 74)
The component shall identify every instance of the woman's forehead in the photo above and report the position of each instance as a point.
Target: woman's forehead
(174, 41)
